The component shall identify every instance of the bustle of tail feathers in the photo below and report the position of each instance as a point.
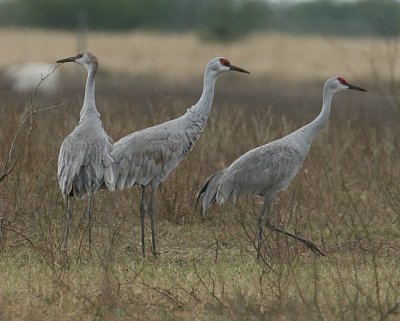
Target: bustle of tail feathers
(109, 179)
(208, 192)
(116, 176)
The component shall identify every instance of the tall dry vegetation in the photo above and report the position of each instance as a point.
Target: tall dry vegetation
(346, 199)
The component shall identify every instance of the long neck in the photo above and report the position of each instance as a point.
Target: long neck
(89, 105)
(310, 131)
(199, 113)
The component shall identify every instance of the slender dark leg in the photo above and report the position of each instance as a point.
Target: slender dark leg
(261, 223)
(152, 223)
(68, 224)
(90, 219)
(142, 214)
(308, 243)
(267, 221)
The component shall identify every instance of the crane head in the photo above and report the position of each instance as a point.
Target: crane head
(338, 83)
(349, 86)
(221, 64)
(84, 58)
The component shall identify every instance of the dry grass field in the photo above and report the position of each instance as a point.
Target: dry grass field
(346, 198)
(182, 56)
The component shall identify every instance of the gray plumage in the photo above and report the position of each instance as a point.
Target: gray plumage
(84, 162)
(148, 156)
(268, 169)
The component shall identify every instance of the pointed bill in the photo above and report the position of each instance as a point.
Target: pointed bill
(353, 87)
(69, 59)
(235, 68)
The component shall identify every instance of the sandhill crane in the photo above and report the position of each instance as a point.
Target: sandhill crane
(268, 169)
(84, 163)
(148, 156)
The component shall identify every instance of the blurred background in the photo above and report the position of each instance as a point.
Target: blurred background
(223, 20)
(153, 45)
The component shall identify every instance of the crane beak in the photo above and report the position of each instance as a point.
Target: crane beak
(69, 59)
(234, 68)
(353, 87)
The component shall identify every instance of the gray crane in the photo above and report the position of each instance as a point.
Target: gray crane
(84, 162)
(148, 156)
(268, 169)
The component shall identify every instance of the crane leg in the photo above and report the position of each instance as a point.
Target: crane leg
(267, 221)
(308, 243)
(261, 223)
(142, 214)
(68, 224)
(90, 210)
(260, 234)
(152, 223)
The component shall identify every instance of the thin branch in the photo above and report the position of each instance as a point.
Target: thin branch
(1, 228)
(20, 234)
(167, 293)
(251, 239)
(212, 291)
(43, 109)
(10, 163)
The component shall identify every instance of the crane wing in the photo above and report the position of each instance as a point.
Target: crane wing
(267, 168)
(84, 165)
(146, 154)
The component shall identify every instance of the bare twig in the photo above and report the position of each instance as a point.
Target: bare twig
(210, 291)
(20, 234)
(11, 161)
(1, 228)
(251, 239)
(167, 293)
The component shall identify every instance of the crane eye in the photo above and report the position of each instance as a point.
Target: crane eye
(79, 56)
